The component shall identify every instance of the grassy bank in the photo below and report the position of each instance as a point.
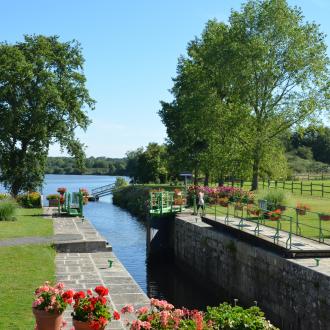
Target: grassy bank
(23, 268)
(28, 223)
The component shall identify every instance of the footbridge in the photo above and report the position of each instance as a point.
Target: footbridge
(102, 191)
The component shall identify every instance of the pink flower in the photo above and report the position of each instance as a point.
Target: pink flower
(143, 310)
(127, 309)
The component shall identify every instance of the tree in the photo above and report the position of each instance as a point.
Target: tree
(43, 99)
(269, 71)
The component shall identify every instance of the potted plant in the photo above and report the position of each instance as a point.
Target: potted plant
(92, 311)
(61, 190)
(324, 216)
(253, 210)
(163, 315)
(238, 206)
(85, 195)
(53, 199)
(223, 201)
(301, 209)
(274, 215)
(49, 304)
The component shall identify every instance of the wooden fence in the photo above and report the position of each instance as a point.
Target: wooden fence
(300, 187)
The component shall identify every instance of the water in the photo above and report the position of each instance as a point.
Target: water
(127, 235)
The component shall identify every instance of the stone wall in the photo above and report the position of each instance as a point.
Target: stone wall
(292, 293)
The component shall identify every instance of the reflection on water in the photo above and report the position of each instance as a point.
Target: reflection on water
(127, 235)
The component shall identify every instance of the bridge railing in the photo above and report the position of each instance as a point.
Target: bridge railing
(102, 189)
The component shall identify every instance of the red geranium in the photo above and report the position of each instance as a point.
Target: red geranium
(93, 309)
(101, 290)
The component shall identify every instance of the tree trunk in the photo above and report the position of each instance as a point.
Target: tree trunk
(255, 172)
(195, 177)
(207, 178)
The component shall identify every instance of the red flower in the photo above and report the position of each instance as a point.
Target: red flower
(101, 290)
(116, 315)
(79, 295)
(102, 300)
(102, 320)
(95, 325)
(68, 294)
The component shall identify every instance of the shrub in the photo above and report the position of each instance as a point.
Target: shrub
(120, 183)
(52, 196)
(30, 200)
(4, 196)
(274, 198)
(226, 316)
(7, 209)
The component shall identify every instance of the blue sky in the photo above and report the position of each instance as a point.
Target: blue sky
(131, 50)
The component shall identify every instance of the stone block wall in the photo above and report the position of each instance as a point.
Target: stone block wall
(292, 294)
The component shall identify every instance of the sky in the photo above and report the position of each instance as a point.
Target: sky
(131, 48)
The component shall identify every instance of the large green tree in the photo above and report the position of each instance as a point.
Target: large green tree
(269, 70)
(43, 99)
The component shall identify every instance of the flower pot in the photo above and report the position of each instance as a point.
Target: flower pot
(52, 202)
(78, 325)
(47, 321)
(301, 211)
(274, 218)
(324, 217)
(281, 207)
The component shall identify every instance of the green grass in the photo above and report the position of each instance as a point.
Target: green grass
(309, 223)
(29, 223)
(304, 190)
(23, 268)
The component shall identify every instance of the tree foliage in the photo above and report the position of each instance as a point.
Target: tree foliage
(149, 164)
(43, 99)
(244, 84)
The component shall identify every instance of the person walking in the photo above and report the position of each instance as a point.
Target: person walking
(201, 202)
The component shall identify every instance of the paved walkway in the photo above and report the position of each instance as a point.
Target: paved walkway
(85, 270)
(27, 240)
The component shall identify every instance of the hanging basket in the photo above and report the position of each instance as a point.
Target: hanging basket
(47, 321)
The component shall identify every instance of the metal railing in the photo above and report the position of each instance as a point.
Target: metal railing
(291, 221)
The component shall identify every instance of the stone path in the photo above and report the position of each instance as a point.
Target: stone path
(27, 240)
(87, 269)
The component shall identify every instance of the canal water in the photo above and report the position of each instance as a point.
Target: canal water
(127, 235)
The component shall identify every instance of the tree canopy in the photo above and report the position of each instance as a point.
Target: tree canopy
(243, 84)
(43, 99)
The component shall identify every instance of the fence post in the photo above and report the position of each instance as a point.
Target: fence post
(242, 183)
(301, 188)
(283, 185)
(263, 183)
(322, 188)
(311, 188)
(292, 186)
(275, 184)
(268, 183)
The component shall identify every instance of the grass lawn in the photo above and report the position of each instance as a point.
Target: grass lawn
(29, 223)
(23, 268)
(307, 225)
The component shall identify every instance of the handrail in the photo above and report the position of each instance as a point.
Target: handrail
(291, 224)
(102, 189)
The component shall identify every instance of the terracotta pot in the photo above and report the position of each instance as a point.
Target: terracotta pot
(47, 321)
(78, 325)
(324, 217)
(301, 211)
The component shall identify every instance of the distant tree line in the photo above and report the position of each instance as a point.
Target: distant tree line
(93, 165)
